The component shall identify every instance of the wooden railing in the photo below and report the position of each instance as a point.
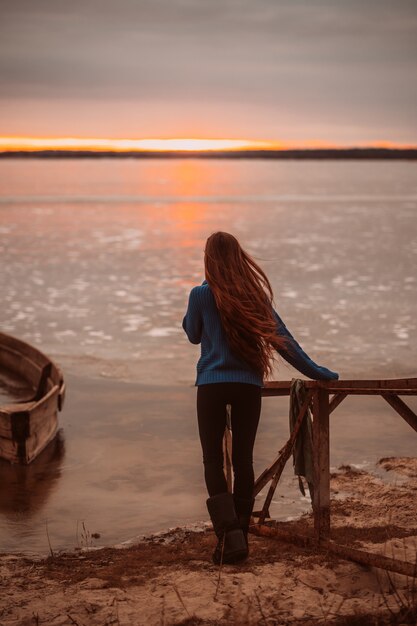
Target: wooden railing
(323, 397)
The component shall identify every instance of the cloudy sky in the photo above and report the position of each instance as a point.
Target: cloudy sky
(332, 71)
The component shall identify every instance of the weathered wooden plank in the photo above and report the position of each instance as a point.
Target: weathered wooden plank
(61, 396)
(370, 558)
(40, 439)
(27, 427)
(25, 349)
(24, 449)
(22, 367)
(41, 410)
(352, 554)
(35, 413)
(399, 384)
(9, 450)
(29, 371)
(356, 391)
(10, 420)
(8, 414)
(402, 409)
(284, 454)
(5, 423)
(272, 488)
(26, 352)
(277, 384)
(386, 384)
(321, 460)
(44, 383)
(268, 473)
(20, 426)
(374, 392)
(227, 454)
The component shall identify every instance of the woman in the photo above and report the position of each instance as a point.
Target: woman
(232, 316)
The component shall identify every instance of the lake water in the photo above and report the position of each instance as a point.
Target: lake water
(97, 259)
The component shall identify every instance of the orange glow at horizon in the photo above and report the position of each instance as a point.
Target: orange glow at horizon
(118, 145)
(29, 144)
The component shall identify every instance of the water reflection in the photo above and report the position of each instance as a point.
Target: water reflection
(26, 488)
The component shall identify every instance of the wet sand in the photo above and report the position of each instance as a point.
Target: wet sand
(169, 578)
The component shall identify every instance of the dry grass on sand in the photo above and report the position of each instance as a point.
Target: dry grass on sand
(170, 579)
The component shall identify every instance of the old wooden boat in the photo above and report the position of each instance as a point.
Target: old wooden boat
(28, 423)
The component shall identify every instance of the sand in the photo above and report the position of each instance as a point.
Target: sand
(169, 579)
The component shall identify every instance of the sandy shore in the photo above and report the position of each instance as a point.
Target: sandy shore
(169, 579)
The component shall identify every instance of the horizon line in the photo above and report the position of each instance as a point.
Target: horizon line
(192, 144)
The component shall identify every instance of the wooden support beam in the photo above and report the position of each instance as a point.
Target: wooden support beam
(227, 454)
(268, 473)
(321, 463)
(285, 452)
(227, 449)
(336, 400)
(272, 487)
(370, 558)
(401, 408)
(346, 552)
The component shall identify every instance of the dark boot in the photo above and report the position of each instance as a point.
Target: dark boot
(231, 546)
(243, 510)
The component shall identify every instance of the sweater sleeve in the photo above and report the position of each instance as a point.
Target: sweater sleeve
(295, 356)
(192, 322)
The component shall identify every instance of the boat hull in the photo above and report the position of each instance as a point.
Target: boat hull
(26, 427)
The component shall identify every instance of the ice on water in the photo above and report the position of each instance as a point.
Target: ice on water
(115, 275)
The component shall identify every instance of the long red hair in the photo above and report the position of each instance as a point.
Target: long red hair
(244, 297)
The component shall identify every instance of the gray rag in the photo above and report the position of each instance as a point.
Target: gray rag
(303, 447)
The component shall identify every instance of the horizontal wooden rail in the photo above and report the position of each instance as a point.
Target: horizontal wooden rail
(396, 385)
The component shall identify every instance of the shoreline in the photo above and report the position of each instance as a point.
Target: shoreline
(168, 578)
(347, 153)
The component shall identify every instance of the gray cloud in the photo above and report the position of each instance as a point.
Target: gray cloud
(323, 59)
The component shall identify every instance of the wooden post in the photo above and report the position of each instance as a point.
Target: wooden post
(321, 460)
(227, 455)
(227, 449)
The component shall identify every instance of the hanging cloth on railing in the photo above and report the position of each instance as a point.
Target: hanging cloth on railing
(303, 448)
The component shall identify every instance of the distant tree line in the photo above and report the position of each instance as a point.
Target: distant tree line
(313, 153)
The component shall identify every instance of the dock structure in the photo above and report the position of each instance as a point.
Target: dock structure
(322, 398)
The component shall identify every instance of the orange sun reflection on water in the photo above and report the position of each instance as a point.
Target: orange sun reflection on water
(189, 179)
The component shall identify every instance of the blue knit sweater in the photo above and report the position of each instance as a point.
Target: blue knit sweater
(217, 364)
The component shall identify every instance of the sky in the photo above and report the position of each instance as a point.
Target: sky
(300, 72)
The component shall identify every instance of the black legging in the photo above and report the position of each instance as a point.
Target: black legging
(245, 401)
